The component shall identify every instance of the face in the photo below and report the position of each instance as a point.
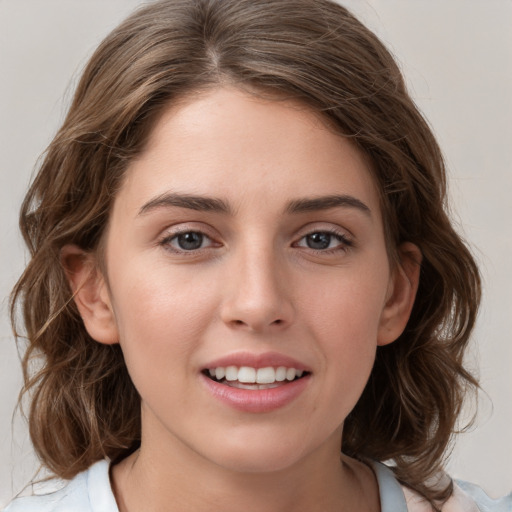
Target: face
(246, 243)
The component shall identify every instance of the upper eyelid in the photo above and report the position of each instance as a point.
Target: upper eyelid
(171, 236)
(186, 227)
(332, 229)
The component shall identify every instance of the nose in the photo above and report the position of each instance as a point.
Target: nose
(257, 292)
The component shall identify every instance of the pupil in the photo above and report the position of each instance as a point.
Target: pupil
(319, 240)
(190, 241)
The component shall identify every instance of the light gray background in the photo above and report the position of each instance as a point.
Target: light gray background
(457, 56)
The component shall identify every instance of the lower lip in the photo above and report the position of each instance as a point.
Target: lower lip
(257, 400)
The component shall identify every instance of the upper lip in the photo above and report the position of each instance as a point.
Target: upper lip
(252, 360)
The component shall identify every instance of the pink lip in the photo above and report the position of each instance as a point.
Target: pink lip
(257, 400)
(257, 361)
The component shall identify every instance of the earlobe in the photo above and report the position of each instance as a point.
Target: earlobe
(90, 294)
(402, 292)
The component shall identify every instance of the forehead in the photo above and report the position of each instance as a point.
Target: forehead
(231, 143)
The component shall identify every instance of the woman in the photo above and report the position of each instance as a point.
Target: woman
(228, 234)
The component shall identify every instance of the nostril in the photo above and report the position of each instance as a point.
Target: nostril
(278, 321)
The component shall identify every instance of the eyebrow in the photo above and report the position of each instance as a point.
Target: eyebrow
(325, 203)
(189, 201)
(212, 204)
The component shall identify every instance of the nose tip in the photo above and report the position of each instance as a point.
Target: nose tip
(257, 301)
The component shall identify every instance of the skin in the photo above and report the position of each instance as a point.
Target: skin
(255, 285)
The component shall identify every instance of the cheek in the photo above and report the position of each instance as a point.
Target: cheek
(344, 314)
(160, 318)
(160, 314)
(348, 307)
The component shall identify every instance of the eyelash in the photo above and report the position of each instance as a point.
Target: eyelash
(167, 240)
(345, 242)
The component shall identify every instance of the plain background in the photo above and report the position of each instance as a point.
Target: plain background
(457, 57)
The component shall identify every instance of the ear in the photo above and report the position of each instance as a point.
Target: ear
(402, 290)
(90, 293)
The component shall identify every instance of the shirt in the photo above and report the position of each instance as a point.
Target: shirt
(90, 491)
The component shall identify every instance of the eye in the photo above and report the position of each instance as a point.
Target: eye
(324, 241)
(187, 241)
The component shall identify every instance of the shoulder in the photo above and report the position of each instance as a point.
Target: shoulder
(89, 491)
(465, 492)
(466, 497)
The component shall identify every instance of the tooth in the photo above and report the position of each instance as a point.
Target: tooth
(268, 386)
(241, 385)
(290, 373)
(247, 374)
(231, 373)
(265, 375)
(280, 374)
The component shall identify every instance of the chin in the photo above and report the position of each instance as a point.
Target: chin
(258, 456)
(245, 464)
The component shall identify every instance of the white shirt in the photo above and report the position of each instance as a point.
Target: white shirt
(90, 491)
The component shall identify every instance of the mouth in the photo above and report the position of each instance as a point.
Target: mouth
(247, 377)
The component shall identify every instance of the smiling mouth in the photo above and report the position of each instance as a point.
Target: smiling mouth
(246, 377)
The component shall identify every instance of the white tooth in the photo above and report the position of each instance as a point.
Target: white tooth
(299, 373)
(290, 373)
(220, 373)
(231, 373)
(247, 374)
(212, 372)
(240, 385)
(268, 386)
(265, 375)
(280, 374)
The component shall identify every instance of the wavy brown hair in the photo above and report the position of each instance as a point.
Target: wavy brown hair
(83, 406)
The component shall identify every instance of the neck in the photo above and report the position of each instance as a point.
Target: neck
(151, 479)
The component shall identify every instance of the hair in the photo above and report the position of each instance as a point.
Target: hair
(315, 52)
